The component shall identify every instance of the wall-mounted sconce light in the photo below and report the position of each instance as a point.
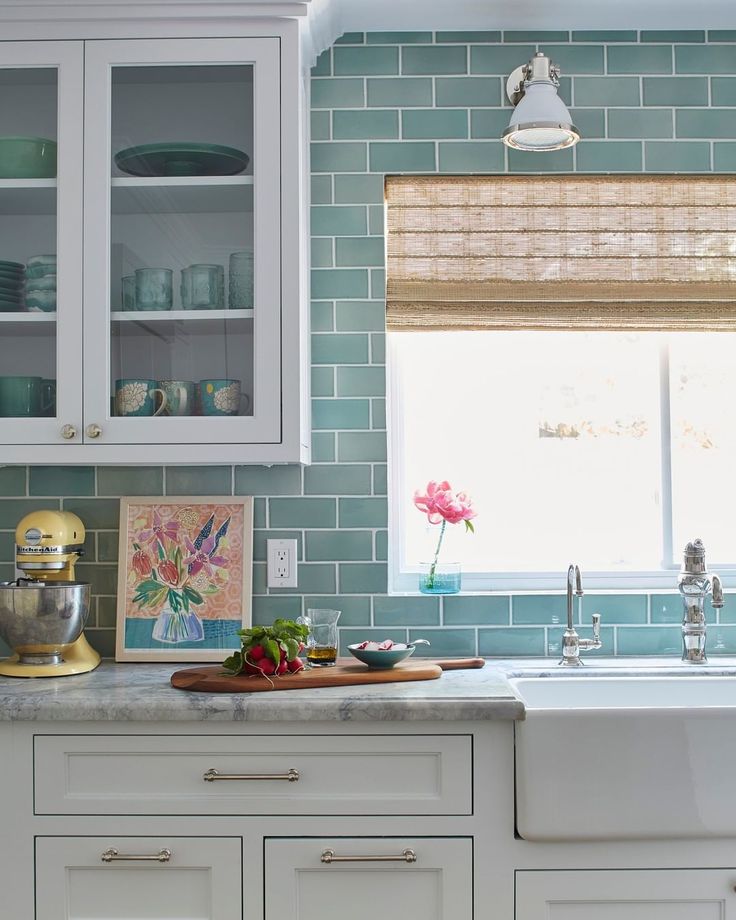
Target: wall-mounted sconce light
(540, 120)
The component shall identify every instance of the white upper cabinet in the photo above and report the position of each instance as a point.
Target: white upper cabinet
(166, 322)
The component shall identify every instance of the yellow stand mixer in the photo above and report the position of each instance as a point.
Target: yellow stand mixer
(42, 614)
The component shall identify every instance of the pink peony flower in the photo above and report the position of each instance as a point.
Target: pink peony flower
(440, 503)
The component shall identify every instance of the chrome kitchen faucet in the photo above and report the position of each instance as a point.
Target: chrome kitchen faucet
(695, 583)
(572, 644)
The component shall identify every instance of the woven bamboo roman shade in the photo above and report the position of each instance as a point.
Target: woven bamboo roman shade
(542, 252)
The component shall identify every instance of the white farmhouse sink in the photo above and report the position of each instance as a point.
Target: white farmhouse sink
(623, 757)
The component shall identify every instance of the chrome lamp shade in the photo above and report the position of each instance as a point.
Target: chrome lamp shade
(540, 120)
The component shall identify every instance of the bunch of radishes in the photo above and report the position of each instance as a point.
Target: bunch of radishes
(269, 651)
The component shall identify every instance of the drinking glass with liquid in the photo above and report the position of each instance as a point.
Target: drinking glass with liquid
(322, 639)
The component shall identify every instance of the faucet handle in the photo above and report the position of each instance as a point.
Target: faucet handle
(716, 600)
(596, 618)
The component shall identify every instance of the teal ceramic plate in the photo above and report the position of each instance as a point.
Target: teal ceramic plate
(381, 659)
(10, 296)
(11, 306)
(181, 159)
(11, 266)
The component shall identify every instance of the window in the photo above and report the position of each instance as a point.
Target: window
(581, 434)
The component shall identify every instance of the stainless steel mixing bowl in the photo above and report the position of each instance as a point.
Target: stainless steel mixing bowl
(38, 620)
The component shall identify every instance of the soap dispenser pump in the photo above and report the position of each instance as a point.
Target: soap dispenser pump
(695, 583)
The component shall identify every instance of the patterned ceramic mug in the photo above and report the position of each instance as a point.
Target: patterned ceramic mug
(134, 397)
(179, 396)
(221, 397)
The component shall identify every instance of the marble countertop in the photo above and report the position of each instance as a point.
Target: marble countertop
(142, 693)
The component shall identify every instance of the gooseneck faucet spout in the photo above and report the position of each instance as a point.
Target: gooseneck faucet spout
(572, 644)
(695, 583)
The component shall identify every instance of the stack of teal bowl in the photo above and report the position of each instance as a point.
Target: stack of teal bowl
(41, 284)
(12, 278)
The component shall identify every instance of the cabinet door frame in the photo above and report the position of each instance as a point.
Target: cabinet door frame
(67, 57)
(55, 856)
(265, 425)
(537, 889)
(286, 857)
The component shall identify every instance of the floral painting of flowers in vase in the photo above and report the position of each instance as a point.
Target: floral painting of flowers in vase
(184, 578)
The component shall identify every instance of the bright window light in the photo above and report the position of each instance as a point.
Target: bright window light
(611, 450)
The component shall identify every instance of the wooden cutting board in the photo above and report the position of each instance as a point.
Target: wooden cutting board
(213, 680)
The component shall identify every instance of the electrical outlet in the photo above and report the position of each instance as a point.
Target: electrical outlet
(281, 558)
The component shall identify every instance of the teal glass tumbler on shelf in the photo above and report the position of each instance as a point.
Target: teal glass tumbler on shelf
(154, 288)
(440, 577)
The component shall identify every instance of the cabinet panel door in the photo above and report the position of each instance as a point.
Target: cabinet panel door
(202, 880)
(671, 894)
(182, 304)
(438, 886)
(41, 93)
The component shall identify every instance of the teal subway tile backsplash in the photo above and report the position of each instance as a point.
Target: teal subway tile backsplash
(399, 91)
(659, 101)
(705, 59)
(409, 611)
(407, 156)
(365, 60)
(669, 157)
(337, 479)
(365, 123)
(705, 123)
(461, 157)
(639, 59)
(337, 93)
(399, 38)
(436, 60)
(499, 59)
(679, 91)
(13, 480)
(467, 91)
(434, 123)
(61, 480)
(607, 91)
(640, 123)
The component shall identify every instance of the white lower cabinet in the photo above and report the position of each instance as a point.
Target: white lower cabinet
(363, 878)
(146, 878)
(630, 894)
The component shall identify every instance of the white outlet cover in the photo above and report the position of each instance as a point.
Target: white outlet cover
(278, 552)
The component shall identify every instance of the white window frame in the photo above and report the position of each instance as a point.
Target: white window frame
(403, 579)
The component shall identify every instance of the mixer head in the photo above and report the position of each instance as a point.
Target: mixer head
(48, 543)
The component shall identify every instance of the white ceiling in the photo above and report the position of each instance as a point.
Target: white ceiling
(360, 15)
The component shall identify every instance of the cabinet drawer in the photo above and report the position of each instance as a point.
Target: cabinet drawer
(363, 878)
(350, 774)
(161, 878)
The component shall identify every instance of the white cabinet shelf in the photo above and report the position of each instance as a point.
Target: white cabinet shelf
(185, 195)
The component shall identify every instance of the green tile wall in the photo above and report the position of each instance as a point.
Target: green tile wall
(418, 102)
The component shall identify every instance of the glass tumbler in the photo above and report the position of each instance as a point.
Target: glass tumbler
(241, 281)
(203, 287)
(322, 639)
(154, 288)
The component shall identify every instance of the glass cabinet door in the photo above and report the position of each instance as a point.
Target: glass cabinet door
(41, 95)
(182, 292)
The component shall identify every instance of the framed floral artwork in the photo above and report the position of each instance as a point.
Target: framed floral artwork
(184, 577)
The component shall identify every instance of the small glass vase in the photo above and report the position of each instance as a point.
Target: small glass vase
(181, 626)
(445, 579)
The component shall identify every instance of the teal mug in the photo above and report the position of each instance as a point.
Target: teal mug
(137, 398)
(179, 396)
(221, 397)
(23, 397)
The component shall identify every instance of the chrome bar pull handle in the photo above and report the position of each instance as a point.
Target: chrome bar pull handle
(292, 776)
(112, 855)
(328, 856)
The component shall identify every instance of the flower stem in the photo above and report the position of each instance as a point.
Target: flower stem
(432, 568)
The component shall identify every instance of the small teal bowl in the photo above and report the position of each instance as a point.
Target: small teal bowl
(380, 660)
